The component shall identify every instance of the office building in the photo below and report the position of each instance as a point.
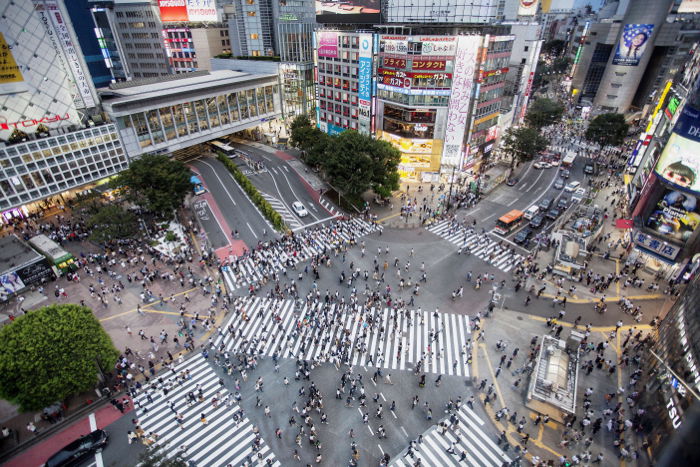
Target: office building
(173, 115)
(192, 48)
(53, 139)
(520, 71)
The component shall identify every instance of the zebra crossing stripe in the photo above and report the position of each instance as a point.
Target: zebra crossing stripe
(276, 327)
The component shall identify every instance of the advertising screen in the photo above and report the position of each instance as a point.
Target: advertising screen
(527, 8)
(11, 79)
(633, 43)
(173, 10)
(202, 10)
(679, 163)
(179, 11)
(675, 215)
(689, 6)
(348, 11)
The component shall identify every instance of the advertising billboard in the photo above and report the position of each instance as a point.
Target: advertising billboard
(437, 45)
(527, 8)
(409, 145)
(327, 44)
(633, 43)
(675, 215)
(11, 79)
(179, 11)
(434, 65)
(689, 6)
(679, 163)
(393, 44)
(348, 11)
(458, 108)
(364, 92)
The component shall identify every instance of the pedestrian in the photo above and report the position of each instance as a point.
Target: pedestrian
(32, 428)
(203, 419)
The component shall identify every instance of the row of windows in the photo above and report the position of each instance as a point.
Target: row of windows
(138, 25)
(167, 123)
(433, 101)
(337, 69)
(338, 121)
(346, 111)
(135, 14)
(339, 96)
(348, 85)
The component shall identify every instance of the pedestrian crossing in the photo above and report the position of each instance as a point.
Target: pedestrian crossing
(264, 326)
(292, 250)
(329, 206)
(288, 217)
(480, 448)
(222, 441)
(482, 246)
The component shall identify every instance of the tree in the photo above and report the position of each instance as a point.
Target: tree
(607, 129)
(112, 221)
(52, 353)
(304, 134)
(317, 148)
(156, 455)
(554, 47)
(156, 183)
(385, 174)
(522, 144)
(543, 112)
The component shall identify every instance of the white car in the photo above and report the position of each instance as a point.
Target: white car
(571, 187)
(542, 165)
(299, 209)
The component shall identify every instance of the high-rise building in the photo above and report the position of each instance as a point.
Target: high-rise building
(53, 139)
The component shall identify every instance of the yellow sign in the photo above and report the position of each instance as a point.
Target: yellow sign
(9, 70)
(410, 145)
(488, 117)
(415, 160)
(658, 105)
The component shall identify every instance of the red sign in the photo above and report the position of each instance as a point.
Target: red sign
(489, 73)
(173, 10)
(395, 62)
(398, 82)
(413, 74)
(429, 64)
(624, 223)
(33, 122)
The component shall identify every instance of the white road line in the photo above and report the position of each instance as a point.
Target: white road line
(251, 229)
(93, 426)
(536, 180)
(222, 182)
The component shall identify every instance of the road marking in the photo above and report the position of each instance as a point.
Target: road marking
(251, 229)
(535, 182)
(508, 241)
(382, 396)
(389, 217)
(222, 182)
(285, 168)
(370, 429)
(93, 426)
(404, 431)
(314, 223)
(513, 202)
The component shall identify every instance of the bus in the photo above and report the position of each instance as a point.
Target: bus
(509, 221)
(568, 160)
(59, 258)
(198, 187)
(223, 147)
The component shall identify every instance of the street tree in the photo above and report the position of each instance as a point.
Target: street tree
(522, 144)
(156, 183)
(52, 353)
(554, 47)
(607, 129)
(318, 145)
(543, 112)
(304, 134)
(112, 221)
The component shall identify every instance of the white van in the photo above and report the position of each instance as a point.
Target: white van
(571, 187)
(531, 212)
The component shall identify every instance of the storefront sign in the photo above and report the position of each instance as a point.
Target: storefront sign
(328, 44)
(365, 83)
(394, 62)
(656, 245)
(438, 45)
(458, 108)
(673, 413)
(437, 65)
(393, 44)
(414, 92)
(412, 74)
(36, 272)
(489, 73)
(32, 122)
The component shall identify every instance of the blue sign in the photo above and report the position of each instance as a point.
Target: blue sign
(365, 79)
(334, 129)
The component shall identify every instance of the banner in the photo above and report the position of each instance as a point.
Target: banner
(10, 283)
(328, 44)
(679, 163)
(632, 45)
(393, 44)
(527, 8)
(183, 11)
(394, 62)
(202, 10)
(173, 10)
(11, 79)
(436, 65)
(365, 83)
(675, 215)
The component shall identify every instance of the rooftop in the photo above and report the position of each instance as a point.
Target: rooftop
(15, 254)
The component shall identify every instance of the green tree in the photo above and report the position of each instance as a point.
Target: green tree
(304, 133)
(385, 164)
(523, 144)
(554, 47)
(156, 455)
(607, 129)
(156, 183)
(52, 353)
(543, 112)
(112, 221)
(317, 150)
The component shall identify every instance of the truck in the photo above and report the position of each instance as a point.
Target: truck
(568, 160)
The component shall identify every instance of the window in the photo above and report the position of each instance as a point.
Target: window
(254, 36)
(523, 60)
(527, 48)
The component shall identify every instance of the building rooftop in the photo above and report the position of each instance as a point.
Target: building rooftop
(15, 254)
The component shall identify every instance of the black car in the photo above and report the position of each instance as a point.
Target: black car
(78, 450)
(511, 181)
(553, 213)
(565, 173)
(523, 235)
(563, 203)
(537, 221)
(544, 204)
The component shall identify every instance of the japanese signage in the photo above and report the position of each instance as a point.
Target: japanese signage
(655, 245)
(32, 122)
(458, 108)
(675, 216)
(11, 79)
(409, 145)
(393, 44)
(394, 62)
(527, 8)
(497, 72)
(414, 92)
(633, 42)
(56, 28)
(438, 45)
(365, 83)
(437, 65)
(679, 163)
(327, 44)
(180, 11)
(413, 74)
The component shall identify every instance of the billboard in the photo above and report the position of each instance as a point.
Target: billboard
(679, 163)
(458, 108)
(527, 8)
(11, 79)
(689, 6)
(327, 44)
(393, 44)
(632, 45)
(409, 145)
(348, 11)
(10, 283)
(365, 83)
(675, 216)
(179, 11)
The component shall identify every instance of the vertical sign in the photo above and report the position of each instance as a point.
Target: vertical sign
(365, 83)
(327, 44)
(58, 30)
(11, 79)
(458, 109)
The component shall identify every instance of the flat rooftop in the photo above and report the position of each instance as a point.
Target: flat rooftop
(15, 254)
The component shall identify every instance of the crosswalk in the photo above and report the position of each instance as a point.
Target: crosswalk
(480, 448)
(287, 216)
(329, 206)
(222, 441)
(335, 333)
(292, 250)
(482, 246)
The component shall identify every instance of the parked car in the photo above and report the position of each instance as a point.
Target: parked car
(559, 184)
(563, 203)
(537, 221)
(553, 213)
(512, 181)
(299, 209)
(79, 450)
(571, 187)
(523, 235)
(544, 204)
